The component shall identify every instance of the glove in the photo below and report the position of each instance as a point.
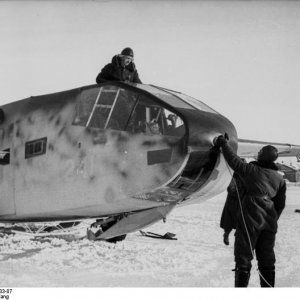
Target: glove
(226, 238)
(221, 140)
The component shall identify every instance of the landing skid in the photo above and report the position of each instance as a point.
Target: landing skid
(89, 228)
(111, 229)
(47, 229)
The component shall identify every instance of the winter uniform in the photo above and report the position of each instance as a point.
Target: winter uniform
(114, 71)
(262, 203)
(231, 207)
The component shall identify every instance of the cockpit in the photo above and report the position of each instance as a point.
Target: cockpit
(136, 111)
(117, 108)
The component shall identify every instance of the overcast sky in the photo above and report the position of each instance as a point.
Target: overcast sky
(240, 57)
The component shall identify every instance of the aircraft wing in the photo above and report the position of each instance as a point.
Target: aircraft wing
(250, 148)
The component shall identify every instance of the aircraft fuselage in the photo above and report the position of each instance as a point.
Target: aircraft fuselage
(108, 149)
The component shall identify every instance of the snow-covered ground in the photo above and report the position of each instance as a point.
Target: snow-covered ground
(197, 259)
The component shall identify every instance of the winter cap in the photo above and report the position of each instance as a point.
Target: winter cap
(127, 51)
(268, 154)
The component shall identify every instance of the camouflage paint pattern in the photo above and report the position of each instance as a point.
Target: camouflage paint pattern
(88, 172)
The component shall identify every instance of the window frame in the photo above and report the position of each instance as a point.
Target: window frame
(140, 91)
(31, 152)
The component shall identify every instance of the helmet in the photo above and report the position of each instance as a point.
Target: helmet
(267, 154)
(127, 51)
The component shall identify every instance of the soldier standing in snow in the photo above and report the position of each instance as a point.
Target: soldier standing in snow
(262, 204)
(121, 68)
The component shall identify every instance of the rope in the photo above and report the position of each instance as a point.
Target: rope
(245, 225)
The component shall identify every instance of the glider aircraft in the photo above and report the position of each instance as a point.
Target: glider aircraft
(121, 154)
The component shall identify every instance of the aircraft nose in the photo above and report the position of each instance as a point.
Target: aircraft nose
(205, 172)
(205, 127)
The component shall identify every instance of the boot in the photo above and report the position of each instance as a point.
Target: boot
(242, 276)
(267, 277)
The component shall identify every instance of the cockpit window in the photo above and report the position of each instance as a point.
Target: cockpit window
(195, 102)
(151, 118)
(166, 96)
(177, 99)
(103, 108)
(122, 109)
(84, 106)
(113, 107)
(108, 108)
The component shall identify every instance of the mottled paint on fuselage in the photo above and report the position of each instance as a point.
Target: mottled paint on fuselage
(84, 171)
(88, 172)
